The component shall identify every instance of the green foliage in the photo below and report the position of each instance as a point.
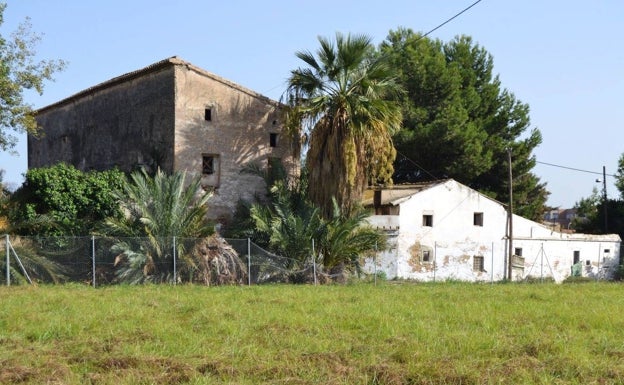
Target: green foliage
(345, 102)
(619, 177)
(287, 223)
(459, 121)
(18, 72)
(61, 200)
(591, 215)
(157, 209)
(346, 238)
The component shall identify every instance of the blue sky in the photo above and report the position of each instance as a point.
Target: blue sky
(563, 58)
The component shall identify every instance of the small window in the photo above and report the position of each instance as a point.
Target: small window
(607, 251)
(273, 139)
(518, 251)
(478, 219)
(588, 262)
(426, 255)
(478, 263)
(577, 256)
(208, 164)
(428, 220)
(208, 114)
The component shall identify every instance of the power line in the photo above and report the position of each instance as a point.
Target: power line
(449, 20)
(574, 169)
(417, 165)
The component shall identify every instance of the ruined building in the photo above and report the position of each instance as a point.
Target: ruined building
(171, 115)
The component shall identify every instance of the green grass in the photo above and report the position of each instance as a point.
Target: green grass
(446, 333)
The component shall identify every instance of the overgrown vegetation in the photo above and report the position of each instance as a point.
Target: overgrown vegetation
(356, 334)
(156, 211)
(308, 244)
(61, 200)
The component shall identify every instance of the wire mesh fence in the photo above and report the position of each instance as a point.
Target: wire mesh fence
(101, 261)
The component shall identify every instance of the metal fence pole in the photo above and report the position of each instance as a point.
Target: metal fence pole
(435, 255)
(8, 261)
(248, 261)
(313, 262)
(492, 266)
(93, 258)
(375, 263)
(174, 260)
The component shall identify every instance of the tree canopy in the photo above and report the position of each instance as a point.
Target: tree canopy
(19, 71)
(344, 100)
(61, 200)
(459, 121)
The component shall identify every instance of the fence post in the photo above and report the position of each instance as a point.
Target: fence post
(375, 263)
(435, 259)
(8, 261)
(492, 266)
(248, 261)
(93, 258)
(313, 262)
(174, 261)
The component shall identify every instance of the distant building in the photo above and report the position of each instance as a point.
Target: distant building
(174, 116)
(445, 230)
(560, 219)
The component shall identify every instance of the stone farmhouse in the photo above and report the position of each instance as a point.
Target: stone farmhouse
(447, 231)
(174, 116)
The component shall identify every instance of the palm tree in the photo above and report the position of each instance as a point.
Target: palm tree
(345, 103)
(157, 210)
(347, 238)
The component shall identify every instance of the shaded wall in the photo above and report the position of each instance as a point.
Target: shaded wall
(125, 125)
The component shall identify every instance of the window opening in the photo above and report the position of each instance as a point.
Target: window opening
(273, 139)
(428, 220)
(478, 263)
(478, 219)
(518, 251)
(208, 164)
(577, 256)
(208, 114)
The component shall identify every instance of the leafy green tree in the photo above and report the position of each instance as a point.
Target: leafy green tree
(344, 101)
(20, 71)
(61, 200)
(4, 200)
(459, 122)
(619, 176)
(157, 209)
(586, 219)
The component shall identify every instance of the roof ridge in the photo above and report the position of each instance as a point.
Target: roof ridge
(170, 61)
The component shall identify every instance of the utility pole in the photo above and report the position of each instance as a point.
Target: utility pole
(510, 217)
(604, 197)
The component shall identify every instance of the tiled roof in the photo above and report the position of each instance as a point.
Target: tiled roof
(398, 193)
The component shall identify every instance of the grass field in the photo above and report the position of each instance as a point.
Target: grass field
(445, 333)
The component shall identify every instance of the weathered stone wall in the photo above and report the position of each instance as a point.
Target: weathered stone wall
(157, 116)
(238, 133)
(126, 124)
